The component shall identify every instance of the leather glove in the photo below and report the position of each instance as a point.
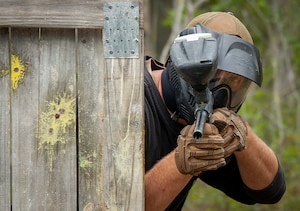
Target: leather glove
(193, 156)
(232, 128)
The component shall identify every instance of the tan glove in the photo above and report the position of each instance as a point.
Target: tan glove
(232, 128)
(193, 156)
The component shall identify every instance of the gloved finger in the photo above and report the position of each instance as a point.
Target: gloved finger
(220, 124)
(205, 146)
(230, 149)
(209, 129)
(210, 142)
(228, 136)
(206, 154)
(235, 133)
(236, 143)
(206, 165)
(211, 139)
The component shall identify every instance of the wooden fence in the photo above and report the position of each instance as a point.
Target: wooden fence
(71, 105)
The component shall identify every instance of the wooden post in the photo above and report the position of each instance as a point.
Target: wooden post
(71, 117)
(5, 123)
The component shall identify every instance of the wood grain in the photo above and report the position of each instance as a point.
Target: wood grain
(54, 13)
(71, 131)
(110, 127)
(5, 126)
(43, 172)
(24, 110)
(123, 125)
(58, 154)
(90, 118)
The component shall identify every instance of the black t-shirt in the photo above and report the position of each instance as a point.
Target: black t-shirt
(160, 128)
(161, 134)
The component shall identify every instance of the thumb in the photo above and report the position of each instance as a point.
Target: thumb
(210, 129)
(188, 130)
(220, 114)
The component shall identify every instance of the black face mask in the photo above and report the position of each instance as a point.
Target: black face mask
(178, 95)
(235, 56)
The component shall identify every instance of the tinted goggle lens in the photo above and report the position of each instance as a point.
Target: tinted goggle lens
(222, 96)
(229, 90)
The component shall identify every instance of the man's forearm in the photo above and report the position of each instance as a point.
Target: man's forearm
(258, 164)
(163, 183)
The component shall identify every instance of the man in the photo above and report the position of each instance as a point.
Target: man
(230, 156)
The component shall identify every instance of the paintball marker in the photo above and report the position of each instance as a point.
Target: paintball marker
(194, 56)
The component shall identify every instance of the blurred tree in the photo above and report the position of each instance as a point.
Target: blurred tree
(274, 109)
(167, 18)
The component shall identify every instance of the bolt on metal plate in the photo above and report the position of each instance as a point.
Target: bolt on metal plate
(121, 30)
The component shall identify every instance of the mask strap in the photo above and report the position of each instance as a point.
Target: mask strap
(168, 93)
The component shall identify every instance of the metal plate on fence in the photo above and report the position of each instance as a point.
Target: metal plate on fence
(121, 30)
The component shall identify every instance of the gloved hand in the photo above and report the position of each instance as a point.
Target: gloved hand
(193, 156)
(232, 128)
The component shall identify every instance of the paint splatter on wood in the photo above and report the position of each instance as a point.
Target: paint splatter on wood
(60, 115)
(4, 72)
(17, 71)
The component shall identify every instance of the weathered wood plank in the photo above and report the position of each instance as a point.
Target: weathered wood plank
(54, 13)
(43, 121)
(24, 112)
(5, 129)
(123, 124)
(110, 127)
(90, 118)
(57, 152)
(43, 171)
(63, 72)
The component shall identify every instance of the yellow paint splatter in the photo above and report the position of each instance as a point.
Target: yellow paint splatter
(4, 73)
(86, 161)
(18, 69)
(59, 116)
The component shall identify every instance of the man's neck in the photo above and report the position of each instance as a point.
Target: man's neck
(156, 75)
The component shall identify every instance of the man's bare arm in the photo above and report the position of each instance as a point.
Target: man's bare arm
(258, 164)
(163, 183)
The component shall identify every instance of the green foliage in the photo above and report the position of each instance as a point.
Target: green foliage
(168, 21)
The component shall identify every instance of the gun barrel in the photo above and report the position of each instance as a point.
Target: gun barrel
(201, 118)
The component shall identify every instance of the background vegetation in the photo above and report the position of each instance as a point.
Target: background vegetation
(274, 109)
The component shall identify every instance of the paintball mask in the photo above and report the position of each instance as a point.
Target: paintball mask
(227, 64)
(238, 67)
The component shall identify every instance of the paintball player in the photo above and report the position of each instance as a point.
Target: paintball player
(228, 156)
